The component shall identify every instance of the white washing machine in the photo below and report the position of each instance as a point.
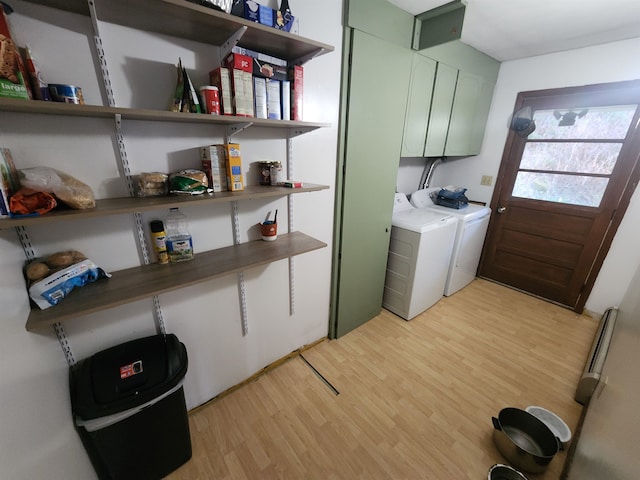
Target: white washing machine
(418, 262)
(473, 221)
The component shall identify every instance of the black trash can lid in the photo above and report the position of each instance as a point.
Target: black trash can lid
(127, 375)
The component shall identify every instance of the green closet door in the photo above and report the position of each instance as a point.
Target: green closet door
(375, 109)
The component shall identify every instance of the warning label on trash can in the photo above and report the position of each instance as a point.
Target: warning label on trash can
(131, 369)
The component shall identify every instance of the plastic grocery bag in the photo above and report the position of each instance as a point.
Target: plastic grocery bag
(53, 288)
(69, 190)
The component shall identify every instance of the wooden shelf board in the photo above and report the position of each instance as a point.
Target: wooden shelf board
(125, 205)
(133, 284)
(98, 111)
(180, 18)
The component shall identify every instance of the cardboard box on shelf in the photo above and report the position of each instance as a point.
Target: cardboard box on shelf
(264, 69)
(9, 181)
(296, 76)
(274, 106)
(14, 80)
(255, 12)
(219, 77)
(241, 68)
(235, 181)
(260, 95)
(213, 159)
(285, 98)
(263, 57)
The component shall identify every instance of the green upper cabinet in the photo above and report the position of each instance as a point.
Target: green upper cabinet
(441, 104)
(423, 74)
(450, 110)
(471, 105)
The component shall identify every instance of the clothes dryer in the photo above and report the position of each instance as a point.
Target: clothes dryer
(473, 221)
(419, 256)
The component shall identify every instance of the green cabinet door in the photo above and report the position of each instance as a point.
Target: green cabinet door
(373, 110)
(423, 72)
(441, 105)
(469, 115)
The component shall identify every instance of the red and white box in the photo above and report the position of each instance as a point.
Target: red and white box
(241, 68)
(214, 164)
(296, 76)
(220, 78)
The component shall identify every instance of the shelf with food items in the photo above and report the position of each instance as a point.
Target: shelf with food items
(137, 283)
(67, 109)
(252, 85)
(184, 19)
(41, 195)
(124, 205)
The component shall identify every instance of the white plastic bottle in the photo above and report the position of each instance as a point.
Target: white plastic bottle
(179, 243)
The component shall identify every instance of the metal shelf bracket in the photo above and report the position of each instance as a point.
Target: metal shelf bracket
(297, 131)
(232, 41)
(236, 128)
(309, 56)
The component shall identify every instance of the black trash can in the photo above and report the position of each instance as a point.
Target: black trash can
(129, 409)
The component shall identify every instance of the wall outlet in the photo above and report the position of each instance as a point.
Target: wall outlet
(486, 180)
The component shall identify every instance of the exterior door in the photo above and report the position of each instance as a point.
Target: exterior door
(561, 192)
(374, 98)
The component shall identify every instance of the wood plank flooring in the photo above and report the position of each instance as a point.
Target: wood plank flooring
(415, 398)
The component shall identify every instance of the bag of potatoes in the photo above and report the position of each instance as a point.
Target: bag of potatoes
(52, 278)
(69, 190)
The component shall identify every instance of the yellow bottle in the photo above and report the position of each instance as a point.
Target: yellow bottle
(158, 237)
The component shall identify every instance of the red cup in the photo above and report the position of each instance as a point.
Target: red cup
(269, 231)
(210, 99)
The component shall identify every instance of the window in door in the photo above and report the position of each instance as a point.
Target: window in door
(571, 155)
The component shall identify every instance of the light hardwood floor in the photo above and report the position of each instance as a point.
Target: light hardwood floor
(415, 398)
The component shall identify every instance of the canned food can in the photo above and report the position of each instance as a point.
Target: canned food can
(66, 93)
(276, 173)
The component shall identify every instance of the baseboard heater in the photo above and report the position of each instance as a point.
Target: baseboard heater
(595, 362)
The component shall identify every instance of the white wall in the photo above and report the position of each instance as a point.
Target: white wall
(605, 63)
(37, 439)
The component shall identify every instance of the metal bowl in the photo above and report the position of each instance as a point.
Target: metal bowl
(504, 472)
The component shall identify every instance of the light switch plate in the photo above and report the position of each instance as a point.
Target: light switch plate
(486, 180)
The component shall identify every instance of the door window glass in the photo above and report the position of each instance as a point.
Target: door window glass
(599, 123)
(572, 189)
(572, 153)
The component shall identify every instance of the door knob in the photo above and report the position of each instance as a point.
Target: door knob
(502, 209)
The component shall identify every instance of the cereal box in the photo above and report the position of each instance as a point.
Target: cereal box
(235, 181)
(13, 74)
